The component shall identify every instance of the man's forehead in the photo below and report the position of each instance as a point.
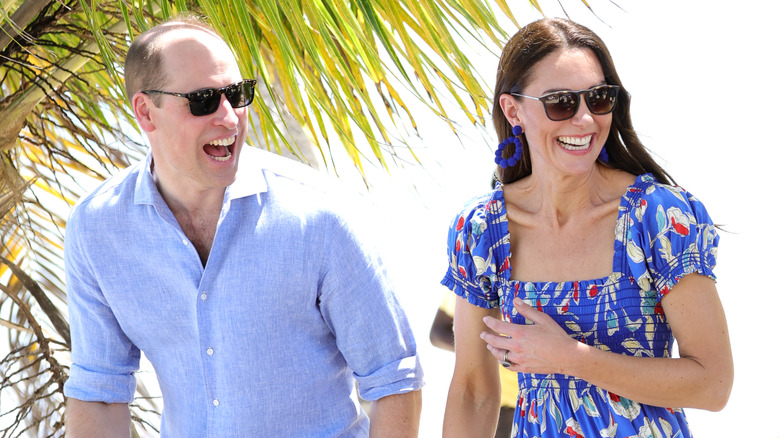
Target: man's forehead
(206, 59)
(192, 45)
(183, 34)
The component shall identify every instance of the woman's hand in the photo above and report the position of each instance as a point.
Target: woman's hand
(541, 347)
(700, 378)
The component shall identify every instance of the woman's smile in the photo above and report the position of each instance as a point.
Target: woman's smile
(575, 143)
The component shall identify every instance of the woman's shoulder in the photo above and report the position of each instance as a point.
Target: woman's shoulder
(670, 234)
(478, 208)
(478, 226)
(648, 191)
(653, 204)
(471, 242)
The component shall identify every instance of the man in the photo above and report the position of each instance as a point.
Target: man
(256, 303)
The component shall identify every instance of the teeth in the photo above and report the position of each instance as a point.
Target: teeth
(225, 158)
(575, 143)
(223, 142)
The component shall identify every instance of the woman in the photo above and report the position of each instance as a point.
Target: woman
(595, 262)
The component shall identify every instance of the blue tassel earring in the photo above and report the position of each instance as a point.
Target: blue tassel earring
(603, 155)
(514, 159)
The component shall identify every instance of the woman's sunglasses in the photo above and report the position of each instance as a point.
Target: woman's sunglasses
(563, 105)
(206, 101)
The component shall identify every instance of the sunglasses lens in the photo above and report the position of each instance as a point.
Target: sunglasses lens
(561, 105)
(240, 94)
(601, 100)
(204, 102)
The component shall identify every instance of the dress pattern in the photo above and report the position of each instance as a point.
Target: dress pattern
(662, 234)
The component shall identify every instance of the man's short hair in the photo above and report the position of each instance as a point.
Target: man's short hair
(144, 62)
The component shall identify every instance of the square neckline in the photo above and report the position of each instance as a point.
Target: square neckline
(618, 249)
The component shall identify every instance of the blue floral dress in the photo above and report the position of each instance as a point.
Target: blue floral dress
(662, 234)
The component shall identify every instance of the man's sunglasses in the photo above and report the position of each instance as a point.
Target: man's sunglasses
(563, 105)
(206, 101)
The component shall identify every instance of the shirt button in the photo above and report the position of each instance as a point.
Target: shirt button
(203, 296)
(210, 351)
(215, 402)
(185, 242)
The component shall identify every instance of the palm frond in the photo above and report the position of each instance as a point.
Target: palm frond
(345, 73)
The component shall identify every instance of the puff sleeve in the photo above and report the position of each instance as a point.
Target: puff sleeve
(670, 235)
(472, 271)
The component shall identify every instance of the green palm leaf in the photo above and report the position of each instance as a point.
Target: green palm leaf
(336, 70)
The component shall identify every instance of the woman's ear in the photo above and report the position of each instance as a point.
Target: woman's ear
(512, 109)
(143, 108)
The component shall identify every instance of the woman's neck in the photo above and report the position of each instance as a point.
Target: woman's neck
(557, 199)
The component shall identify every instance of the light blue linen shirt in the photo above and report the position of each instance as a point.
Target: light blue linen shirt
(267, 339)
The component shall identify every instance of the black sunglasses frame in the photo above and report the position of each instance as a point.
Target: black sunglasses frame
(576, 107)
(200, 106)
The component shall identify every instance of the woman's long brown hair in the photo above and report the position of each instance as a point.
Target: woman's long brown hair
(523, 51)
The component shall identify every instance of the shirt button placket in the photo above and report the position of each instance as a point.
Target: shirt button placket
(209, 350)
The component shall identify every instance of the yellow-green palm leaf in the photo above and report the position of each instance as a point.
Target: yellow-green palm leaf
(344, 72)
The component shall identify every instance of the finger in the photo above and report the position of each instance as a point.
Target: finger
(499, 353)
(496, 341)
(498, 325)
(529, 313)
(503, 354)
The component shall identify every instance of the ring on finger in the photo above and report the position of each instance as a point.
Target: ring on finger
(505, 363)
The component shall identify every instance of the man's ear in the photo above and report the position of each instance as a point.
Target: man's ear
(511, 109)
(143, 108)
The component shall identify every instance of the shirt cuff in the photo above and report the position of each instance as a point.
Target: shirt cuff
(398, 377)
(91, 386)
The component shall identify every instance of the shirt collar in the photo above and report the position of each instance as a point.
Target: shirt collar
(250, 179)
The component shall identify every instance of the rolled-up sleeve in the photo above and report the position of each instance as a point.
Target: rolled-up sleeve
(358, 303)
(104, 359)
